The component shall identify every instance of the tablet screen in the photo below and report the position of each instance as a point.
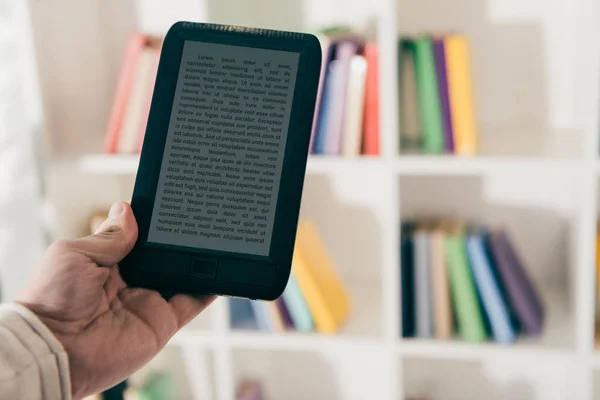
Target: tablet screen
(221, 167)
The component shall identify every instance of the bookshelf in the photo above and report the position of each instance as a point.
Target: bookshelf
(538, 98)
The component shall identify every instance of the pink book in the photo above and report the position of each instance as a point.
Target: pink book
(119, 106)
(151, 81)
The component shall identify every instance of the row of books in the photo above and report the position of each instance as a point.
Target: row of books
(346, 120)
(437, 113)
(465, 281)
(133, 96)
(315, 298)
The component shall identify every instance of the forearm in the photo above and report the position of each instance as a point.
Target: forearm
(33, 364)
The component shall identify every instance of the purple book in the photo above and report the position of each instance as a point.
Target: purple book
(442, 79)
(520, 291)
(285, 314)
(325, 58)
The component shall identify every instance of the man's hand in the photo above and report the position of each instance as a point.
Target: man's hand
(108, 330)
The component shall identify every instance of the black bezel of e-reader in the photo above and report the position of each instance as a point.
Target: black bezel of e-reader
(172, 269)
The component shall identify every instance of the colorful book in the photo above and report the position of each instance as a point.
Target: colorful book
(326, 107)
(325, 294)
(371, 146)
(345, 50)
(286, 318)
(427, 94)
(241, 314)
(491, 296)
(442, 81)
(149, 92)
(442, 308)
(273, 313)
(410, 128)
(355, 104)
(407, 276)
(460, 89)
(129, 136)
(262, 316)
(299, 312)
(249, 390)
(522, 294)
(326, 52)
(127, 76)
(462, 288)
(423, 292)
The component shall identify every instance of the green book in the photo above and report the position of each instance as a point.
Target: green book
(462, 288)
(427, 95)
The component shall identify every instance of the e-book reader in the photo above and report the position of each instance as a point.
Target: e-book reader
(217, 192)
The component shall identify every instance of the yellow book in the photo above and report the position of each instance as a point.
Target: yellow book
(598, 269)
(321, 286)
(460, 91)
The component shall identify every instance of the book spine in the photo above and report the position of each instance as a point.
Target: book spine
(355, 103)
(429, 102)
(442, 80)
(424, 314)
(371, 118)
(150, 91)
(122, 93)
(460, 89)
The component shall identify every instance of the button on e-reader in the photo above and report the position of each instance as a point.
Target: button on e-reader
(203, 268)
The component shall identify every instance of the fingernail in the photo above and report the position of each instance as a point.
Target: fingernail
(115, 210)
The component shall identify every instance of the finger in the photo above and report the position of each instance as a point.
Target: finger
(188, 307)
(114, 239)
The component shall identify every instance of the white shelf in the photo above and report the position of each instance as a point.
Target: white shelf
(423, 165)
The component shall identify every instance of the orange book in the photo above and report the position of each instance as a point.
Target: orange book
(371, 118)
(125, 82)
(149, 93)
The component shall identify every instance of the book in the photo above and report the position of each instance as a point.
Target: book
(462, 288)
(408, 279)
(423, 292)
(286, 318)
(460, 92)
(522, 294)
(325, 109)
(442, 308)
(262, 316)
(241, 314)
(344, 51)
(129, 136)
(125, 82)
(493, 302)
(272, 312)
(442, 81)
(326, 53)
(371, 139)
(427, 95)
(355, 103)
(299, 312)
(249, 389)
(410, 128)
(323, 289)
(155, 58)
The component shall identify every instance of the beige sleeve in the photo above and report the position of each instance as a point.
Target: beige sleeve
(33, 363)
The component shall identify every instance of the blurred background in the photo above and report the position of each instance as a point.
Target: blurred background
(452, 192)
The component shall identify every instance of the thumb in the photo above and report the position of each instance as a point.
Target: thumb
(114, 239)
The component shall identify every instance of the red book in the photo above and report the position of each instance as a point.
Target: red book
(151, 81)
(371, 120)
(119, 106)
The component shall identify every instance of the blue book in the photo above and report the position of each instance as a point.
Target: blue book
(489, 290)
(261, 314)
(325, 121)
(241, 315)
(297, 307)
